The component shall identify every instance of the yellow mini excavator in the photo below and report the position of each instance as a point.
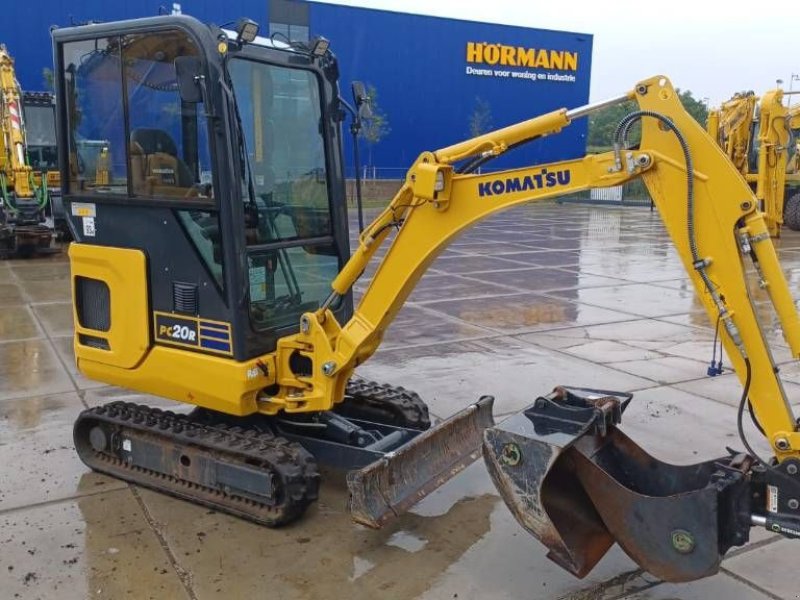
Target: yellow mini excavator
(211, 266)
(760, 138)
(24, 194)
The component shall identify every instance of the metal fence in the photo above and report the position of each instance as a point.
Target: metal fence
(611, 194)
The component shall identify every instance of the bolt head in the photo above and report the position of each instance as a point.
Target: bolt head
(793, 504)
(683, 541)
(745, 205)
(328, 368)
(782, 444)
(791, 469)
(511, 454)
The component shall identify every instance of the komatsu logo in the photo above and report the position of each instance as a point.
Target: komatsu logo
(510, 185)
(518, 56)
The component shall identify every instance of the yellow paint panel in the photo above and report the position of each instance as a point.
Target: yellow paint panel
(124, 271)
(214, 382)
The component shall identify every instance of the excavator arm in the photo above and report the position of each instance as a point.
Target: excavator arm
(13, 163)
(22, 199)
(758, 135)
(563, 466)
(709, 212)
(731, 124)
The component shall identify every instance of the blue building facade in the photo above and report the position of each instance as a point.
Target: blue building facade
(437, 80)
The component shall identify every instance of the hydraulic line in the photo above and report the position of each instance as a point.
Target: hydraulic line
(620, 141)
(700, 264)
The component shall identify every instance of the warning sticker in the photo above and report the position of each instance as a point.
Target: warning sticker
(84, 209)
(772, 499)
(88, 227)
(258, 284)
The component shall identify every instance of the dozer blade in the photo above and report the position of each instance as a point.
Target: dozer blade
(394, 483)
(578, 484)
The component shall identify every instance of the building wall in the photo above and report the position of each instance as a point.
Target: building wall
(417, 64)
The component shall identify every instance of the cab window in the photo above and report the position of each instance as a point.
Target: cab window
(95, 116)
(288, 228)
(129, 132)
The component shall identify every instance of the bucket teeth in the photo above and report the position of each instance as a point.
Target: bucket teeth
(391, 485)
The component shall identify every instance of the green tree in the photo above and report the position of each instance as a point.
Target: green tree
(696, 108)
(375, 128)
(47, 77)
(603, 123)
(480, 121)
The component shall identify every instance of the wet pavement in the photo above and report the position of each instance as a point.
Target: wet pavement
(538, 296)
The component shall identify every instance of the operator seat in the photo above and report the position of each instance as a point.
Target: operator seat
(155, 165)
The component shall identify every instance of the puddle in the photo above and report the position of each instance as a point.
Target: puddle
(406, 541)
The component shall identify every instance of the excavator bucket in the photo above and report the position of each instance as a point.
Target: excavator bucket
(573, 480)
(401, 478)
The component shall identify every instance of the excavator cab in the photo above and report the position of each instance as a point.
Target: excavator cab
(232, 191)
(203, 184)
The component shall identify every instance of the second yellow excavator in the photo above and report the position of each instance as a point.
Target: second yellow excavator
(211, 266)
(24, 193)
(762, 138)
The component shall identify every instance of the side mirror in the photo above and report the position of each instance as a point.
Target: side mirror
(188, 70)
(362, 100)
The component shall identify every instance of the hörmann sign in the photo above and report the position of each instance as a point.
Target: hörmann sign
(501, 55)
(517, 56)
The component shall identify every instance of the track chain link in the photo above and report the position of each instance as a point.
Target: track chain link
(294, 469)
(384, 403)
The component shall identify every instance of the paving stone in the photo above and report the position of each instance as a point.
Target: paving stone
(722, 587)
(98, 546)
(534, 297)
(37, 453)
(31, 367)
(772, 567)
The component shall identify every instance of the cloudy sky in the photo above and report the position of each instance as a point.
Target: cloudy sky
(711, 47)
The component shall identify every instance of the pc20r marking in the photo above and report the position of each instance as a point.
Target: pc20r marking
(212, 336)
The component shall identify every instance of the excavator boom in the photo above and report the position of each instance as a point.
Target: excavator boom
(759, 137)
(22, 199)
(563, 466)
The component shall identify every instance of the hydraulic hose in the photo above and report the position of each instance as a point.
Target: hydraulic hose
(700, 264)
(620, 138)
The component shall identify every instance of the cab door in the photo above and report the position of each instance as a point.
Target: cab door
(295, 234)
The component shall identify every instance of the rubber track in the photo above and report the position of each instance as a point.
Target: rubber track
(384, 403)
(294, 469)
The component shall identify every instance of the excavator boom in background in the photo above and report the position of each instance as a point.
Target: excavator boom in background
(212, 267)
(24, 193)
(762, 139)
